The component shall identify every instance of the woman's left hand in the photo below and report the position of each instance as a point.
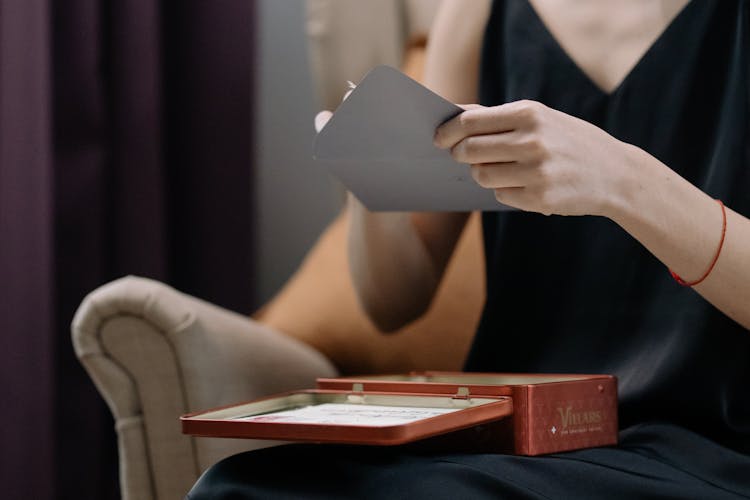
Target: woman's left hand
(542, 160)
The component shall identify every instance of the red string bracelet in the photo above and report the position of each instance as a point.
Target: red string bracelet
(716, 257)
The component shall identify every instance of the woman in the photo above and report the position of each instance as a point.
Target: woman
(634, 117)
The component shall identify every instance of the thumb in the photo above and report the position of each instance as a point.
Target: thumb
(321, 119)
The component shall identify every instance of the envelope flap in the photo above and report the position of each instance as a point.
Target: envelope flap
(388, 116)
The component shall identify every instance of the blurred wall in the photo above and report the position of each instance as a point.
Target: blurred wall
(295, 199)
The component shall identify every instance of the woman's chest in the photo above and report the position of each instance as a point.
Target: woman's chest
(605, 39)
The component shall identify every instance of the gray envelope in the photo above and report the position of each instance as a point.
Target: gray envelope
(378, 143)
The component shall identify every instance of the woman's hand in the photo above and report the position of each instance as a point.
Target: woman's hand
(538, 159)
(542, 160)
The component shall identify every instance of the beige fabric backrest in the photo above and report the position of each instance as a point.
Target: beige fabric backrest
(349, 37)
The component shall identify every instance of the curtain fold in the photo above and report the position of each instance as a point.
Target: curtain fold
(125, 148)
(26, 271)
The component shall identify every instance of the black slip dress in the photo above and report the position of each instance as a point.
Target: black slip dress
(578, 294)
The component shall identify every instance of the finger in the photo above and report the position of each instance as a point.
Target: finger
(350, 85)
(321, 119)
(502, 175)
(481, 121)
(504, 147)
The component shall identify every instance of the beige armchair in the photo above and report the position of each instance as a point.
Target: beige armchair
(155, 353)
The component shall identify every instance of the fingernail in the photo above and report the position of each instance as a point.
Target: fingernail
(320, 120)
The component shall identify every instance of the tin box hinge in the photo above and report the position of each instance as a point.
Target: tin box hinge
(357, 394)
(461, 399)
(462, 393)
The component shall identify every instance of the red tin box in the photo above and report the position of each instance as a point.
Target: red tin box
(527, 414)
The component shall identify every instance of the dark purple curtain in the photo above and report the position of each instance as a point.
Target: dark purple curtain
(125, 148)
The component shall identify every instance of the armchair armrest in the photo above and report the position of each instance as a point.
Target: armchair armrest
(155, 353)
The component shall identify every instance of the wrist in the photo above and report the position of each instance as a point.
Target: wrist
(631, 187)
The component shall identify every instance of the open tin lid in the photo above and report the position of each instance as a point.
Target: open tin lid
(439, 382)
(348, 417)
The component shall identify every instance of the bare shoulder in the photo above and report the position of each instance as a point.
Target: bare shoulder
(452, 64)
